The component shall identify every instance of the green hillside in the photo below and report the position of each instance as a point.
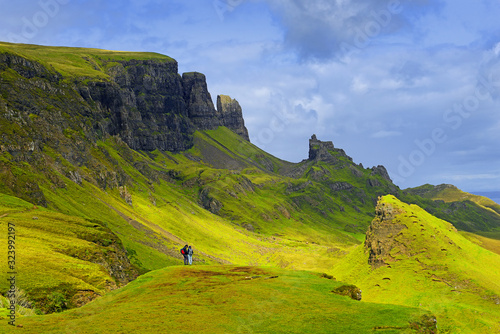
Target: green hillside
(450, 193)
(59, 254)
(76, 62)
(247, 216)
(414, 259)
(230, 299)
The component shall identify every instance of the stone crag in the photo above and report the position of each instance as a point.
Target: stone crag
(324, 150)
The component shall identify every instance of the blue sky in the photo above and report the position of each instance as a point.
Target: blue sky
(413, 85)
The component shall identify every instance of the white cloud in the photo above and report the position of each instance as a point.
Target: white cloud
(470, 177)
(386, 134)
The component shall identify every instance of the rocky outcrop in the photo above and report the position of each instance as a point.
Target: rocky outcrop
(351, 291)
(381, 235)
(325, 151)
(208, 201)
(319, 150)
(144, 105)
(231, 115)
(382, 171)
(27, 68)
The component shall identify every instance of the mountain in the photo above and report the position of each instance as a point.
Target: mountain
(466, 211)
(111, 161)
(120, 142)
(493, 195)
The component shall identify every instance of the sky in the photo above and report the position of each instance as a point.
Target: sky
(413, 85)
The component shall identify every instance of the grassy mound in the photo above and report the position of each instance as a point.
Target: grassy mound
(228, 299)
(429, 264)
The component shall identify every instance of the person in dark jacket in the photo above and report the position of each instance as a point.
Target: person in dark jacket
(184, 252)
(190, 255)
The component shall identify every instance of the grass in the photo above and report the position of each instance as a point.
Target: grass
(153, 232)
(224, 299)
(450, 193)
(491, 243)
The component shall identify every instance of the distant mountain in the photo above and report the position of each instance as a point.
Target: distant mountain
(493, 195)
(466, 211)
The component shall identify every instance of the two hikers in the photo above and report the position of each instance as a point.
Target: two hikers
(187, 252)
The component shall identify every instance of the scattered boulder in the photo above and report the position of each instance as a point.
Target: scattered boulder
(351, 291)
(426, 324)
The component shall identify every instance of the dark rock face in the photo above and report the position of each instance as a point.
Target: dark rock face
(232, 115)
(144, 105)
(200, 107)
(319, 150)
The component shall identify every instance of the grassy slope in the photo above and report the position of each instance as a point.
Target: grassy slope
(450, 193)
(76, 62)
(435, 268)
(491, 244)
(219, 299)
(165, 215)
(56, 252)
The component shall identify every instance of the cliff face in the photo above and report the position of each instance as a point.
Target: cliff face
(231, 115)
(144, 102)
(381, 237)
(200, 107)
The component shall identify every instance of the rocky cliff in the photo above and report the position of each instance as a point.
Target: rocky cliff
(144, 102)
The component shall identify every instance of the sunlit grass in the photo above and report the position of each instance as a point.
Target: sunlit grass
(77, 62)
(224, 299)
